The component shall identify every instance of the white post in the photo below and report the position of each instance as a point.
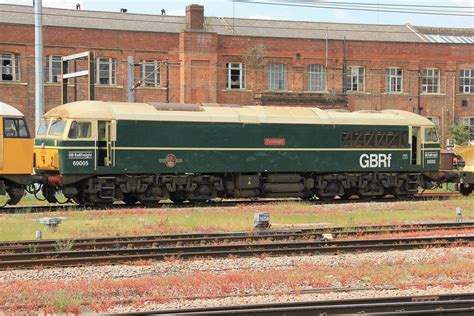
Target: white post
(131, 79)
(39, 63)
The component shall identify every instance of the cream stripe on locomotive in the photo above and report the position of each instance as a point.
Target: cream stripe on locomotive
(231, 149)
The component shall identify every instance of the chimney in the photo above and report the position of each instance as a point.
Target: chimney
(195, 17)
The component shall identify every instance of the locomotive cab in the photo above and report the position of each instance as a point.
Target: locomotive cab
(16, 153)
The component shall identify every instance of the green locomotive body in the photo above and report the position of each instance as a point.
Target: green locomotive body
(99, 152)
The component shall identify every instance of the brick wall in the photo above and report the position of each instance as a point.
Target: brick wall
(197, 69)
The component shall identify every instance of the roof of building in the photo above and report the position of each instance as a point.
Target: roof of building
(20, 14)
(231, 114)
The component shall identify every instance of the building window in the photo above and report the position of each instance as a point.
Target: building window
(53, 68)
(277, 77)
(10, 70)
(430, 80)
(434, 119)
(106, 68)
(355, 79)
(151, 73)
(466, 81)
(235, 76)
(316, 78)
(469, 123)
(394, 80)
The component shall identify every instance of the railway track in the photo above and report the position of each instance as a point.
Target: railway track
(450, 304)
(190, 239)
(222, 203)
(184, 251)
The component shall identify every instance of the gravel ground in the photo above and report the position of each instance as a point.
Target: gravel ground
(265, 299)
(179, 267)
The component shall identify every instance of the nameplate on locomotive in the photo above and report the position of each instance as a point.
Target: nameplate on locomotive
(274, 141)
(80, 155)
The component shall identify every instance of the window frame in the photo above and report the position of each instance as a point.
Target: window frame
(152, 81)
(14, 65)
(425, 78)
(470, 125)
(112, 76)
(52, 122)
(49, 68)
(351, 75)
(466, 81)
(433, 131)
(47, 122)
(315, 75)
(80, 122)
(393, 80)
(241, 68)
(17, 119)
(277, 75)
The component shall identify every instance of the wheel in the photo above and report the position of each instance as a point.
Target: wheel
(465, 190)
(177, 197)
(129, 199)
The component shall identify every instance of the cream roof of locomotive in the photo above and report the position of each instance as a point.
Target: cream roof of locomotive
(8, 110)
(247, 114)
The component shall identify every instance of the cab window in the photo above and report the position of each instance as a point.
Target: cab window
(43, 127)
(80, 130)
(431, 135)
(15, 128)
(57, 128)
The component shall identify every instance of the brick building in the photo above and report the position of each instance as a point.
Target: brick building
(426, 70)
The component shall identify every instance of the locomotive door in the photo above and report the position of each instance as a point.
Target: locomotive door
(415, 141)
(106, 143)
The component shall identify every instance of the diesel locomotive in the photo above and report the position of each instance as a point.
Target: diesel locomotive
(16, 154)
(99, 152)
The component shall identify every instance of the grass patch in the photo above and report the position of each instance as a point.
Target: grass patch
(94, 223)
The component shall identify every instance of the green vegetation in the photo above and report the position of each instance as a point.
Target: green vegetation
(116, 222)
(460, 134)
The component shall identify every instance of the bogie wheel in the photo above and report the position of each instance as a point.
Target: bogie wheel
(465, 190)
(129, 199)
(177, 198)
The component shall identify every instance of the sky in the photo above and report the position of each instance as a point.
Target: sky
(228, 8)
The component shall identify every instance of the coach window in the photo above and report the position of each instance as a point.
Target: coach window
(57, 128)
(15, 128)
(235, 76)
(53, 68)
(43, 127)
(355, 79)
(393, 80)
(79, 130)
(106, 68)
(430, 135)
(10, 67)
